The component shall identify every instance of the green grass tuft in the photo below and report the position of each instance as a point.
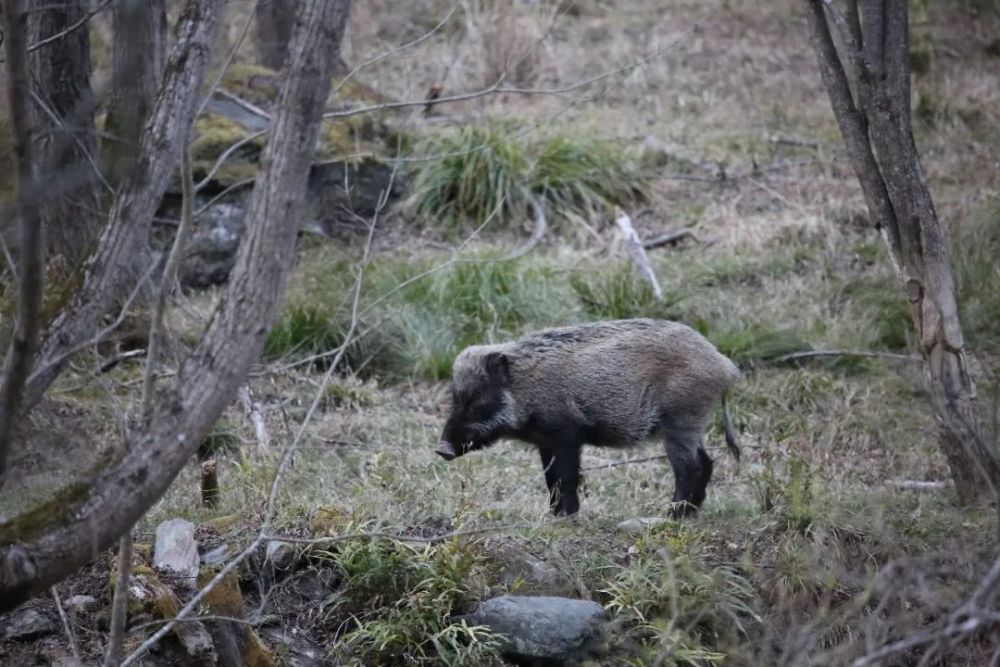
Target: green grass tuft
(497, 169)
(620, 294)
(977, 277)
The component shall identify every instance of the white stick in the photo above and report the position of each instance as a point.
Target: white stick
(638, 254)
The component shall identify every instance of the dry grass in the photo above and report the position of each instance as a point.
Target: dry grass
(806, 554)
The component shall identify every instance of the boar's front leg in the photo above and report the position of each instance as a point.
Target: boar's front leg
(561, 464)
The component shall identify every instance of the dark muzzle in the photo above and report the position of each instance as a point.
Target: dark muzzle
(446, 450)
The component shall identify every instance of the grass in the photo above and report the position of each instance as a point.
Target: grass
(806, 553)
(499, 169)
(397, 601)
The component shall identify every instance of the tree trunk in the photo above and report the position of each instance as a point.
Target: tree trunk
(137, 63)
(63, 118)
(21, 352)
(88, 519)
(123, 246)
(275, 20)
(878, 135)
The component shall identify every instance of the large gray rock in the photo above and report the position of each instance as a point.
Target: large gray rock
(544, 630)
(175, 553)
(25, 624)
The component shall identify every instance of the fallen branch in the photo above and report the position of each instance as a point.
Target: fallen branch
(918, 484)
(256, 419)
(118, 358)
(635, 250)
(669, 237)
(810, 354)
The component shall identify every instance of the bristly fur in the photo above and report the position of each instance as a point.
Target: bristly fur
(611, 384)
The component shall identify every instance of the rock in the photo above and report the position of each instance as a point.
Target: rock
(79, 603)
(641, 524)
(216, 556)
(544, 629)
(176, 552)
(316, 583)
(196, 642)
(338, 193)
(280, 556)
(521, 571)
(25, 624)
(211, 253)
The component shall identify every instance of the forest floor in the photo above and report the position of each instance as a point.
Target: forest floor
(838, 533)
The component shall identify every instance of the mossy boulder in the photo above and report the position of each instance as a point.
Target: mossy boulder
(346, 183)
(236, 644)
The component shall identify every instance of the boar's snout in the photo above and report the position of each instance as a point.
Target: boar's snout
(446, 450)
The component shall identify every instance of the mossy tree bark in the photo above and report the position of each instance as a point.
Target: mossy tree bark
(35, 554)
(871, 101)
(63, 121)
(122, 252)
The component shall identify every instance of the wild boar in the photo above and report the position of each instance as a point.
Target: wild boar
(610, 384)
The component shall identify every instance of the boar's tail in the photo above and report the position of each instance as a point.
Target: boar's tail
(734, 447)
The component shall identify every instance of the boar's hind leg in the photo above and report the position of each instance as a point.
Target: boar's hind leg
(562, 475)
(692, 469)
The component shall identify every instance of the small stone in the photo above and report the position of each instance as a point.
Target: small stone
(79, 603)
(176, 552)
(25, 624)
(641, 524)
(544, 629)
(216, 556)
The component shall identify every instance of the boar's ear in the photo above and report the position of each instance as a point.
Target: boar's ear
(497, 366)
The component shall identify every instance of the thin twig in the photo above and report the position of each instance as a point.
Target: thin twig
(669, 237)
(498, 89)
(809, 354)
(67, 628)
(229, 58)
(244, 104)
(283, 465)
(625, 462)
(103, 333)
(119, 603)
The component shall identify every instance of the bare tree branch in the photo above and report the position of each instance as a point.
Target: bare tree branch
(100, 7)
(32, 558)
(123, 243)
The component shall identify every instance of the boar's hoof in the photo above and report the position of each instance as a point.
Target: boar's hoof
(446, 450)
